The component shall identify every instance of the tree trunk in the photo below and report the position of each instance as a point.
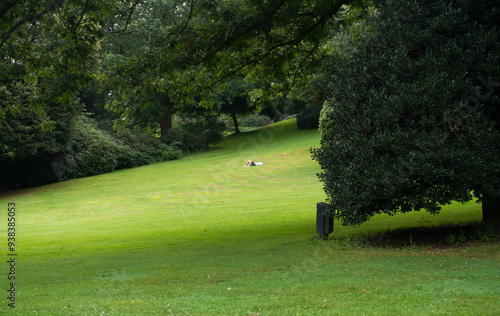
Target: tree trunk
(491, 213)
(166, 123)
(166, 120)
(235, 120)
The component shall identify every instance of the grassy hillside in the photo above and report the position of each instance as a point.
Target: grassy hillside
(204, 236)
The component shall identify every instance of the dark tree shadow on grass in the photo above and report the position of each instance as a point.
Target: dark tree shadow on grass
(431, 236)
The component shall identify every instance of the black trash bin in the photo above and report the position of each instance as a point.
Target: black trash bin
(324, 224)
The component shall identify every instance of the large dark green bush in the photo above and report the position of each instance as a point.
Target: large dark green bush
(142, 149)
(93, 151)
(413, 121)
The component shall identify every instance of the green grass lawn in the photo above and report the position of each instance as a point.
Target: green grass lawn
(204, 236)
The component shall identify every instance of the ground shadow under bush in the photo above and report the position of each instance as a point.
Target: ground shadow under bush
(430, 236)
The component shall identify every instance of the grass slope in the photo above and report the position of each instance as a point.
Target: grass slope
(204, 236)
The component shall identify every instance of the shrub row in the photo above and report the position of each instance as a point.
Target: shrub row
(93, 151)
(90, 151)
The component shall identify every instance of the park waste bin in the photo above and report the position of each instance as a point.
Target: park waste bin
(324, 223)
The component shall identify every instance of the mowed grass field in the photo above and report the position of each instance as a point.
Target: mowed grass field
(204, 236)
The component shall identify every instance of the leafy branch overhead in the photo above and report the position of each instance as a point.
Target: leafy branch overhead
(194, 49)
(210, 41)
(54, 42)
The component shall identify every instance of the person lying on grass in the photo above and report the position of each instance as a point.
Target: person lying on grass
(251, 163)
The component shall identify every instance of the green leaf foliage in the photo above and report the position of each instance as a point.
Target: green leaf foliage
(206, 42)
(195, 134)
(94, 151)
(30, 139)
(51, 45)
(413, 118)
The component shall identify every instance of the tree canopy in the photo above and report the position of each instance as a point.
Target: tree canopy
(51, 41)
(274, 42)
(181, 50)
(413, 120)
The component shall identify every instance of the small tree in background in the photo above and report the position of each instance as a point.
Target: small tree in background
(235, 100)
(414, 117)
